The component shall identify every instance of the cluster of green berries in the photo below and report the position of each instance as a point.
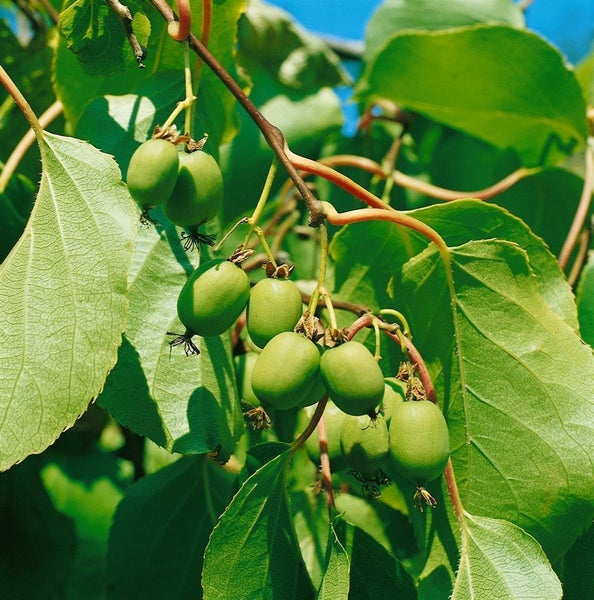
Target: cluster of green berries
(370, 424)
(188, 184)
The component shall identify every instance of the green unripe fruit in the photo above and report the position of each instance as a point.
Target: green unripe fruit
(244, 365)
(333, 418)
(198, 193)
(365, 442)
(213, 297)
(152, 172)
(352, 377)
(394, 395)
(274, 306)
(286, 370)
(419, 441)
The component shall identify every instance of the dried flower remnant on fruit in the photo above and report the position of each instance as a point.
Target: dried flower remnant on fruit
(256, 417)
(372, 482)
(423, 498)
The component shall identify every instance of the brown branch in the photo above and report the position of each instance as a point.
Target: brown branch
(273, 135)
(125, 16)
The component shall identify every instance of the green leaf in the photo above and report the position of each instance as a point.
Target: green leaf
(15, 207)
(502, 85)
(63, 296)
(269, 36)
(578, 567)
(161, 529)
(119, 124)
(399, 15)
(215, 110)
(96, 35)
(39, 541)
(517, 385)
(254, 543)
(335, 583)
(364, 277)
(499, 560)
(585, 301)
(305, 120)
(186, 404)
(374, 570)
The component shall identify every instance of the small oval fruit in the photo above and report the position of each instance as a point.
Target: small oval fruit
(365, 442)
(152, 172)
(286, 370)
(198, 193)
(352, 377)
(333, 418)
(394, 395)
(419, 441)
(213, 297)
(274, 306)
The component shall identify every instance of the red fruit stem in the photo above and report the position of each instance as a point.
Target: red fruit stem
(325, 464)
(180, 29)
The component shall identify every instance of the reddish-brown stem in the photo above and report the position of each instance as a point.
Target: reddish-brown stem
(325, 463)
(453, 492)
(440, 193)
(347, 184)
(425, 377)
(179, 30)
(582, 211)
(352, 160)
(378, 214)
(206, 21)
(273, 135)
(25, 143)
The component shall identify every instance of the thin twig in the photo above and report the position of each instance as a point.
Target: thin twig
(582, 210)
(26, 142)
(125, 16)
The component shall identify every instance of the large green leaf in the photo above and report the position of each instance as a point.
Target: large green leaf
(161, 529)
(364, 276)
(517, 384)
(399, 15)
(96, 35)
(578, 567)
(499, 560)
(253, 551)
(63, 296)
(335, 582)
(375, 571)
(186, 404)
(215, 112)
(503, 85)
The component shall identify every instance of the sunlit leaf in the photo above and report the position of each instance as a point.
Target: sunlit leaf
(502, 85)
(517, 385)
(499, 560)
(186, 404)
(399, 15)
(63, 296)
